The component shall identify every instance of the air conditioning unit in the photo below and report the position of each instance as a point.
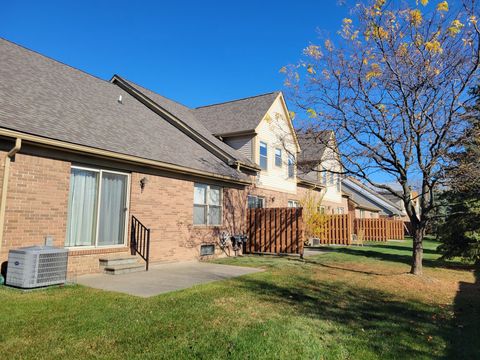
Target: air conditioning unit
(315, 242)
(37, 266)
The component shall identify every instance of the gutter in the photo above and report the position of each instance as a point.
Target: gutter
(310, 183)
(56, 144)
(240, 164)
(6, 175)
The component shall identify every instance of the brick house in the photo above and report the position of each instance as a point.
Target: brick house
(80, 156)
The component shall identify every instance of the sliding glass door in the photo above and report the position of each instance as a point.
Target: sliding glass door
(97, 209)
(111, 228)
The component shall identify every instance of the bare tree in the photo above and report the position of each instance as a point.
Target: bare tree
(393, 85)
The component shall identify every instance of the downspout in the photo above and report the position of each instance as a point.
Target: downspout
(6, 175)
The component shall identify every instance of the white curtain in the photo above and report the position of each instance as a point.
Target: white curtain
(111, 228)
(82, 208)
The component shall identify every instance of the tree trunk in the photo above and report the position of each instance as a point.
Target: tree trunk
(418, 233)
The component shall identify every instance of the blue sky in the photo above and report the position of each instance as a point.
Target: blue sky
(195, 52)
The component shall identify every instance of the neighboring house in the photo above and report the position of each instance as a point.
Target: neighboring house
(80, 156)
(369, 203)
(319, 162)
(260, 128)
(361, 208)
(399, 202)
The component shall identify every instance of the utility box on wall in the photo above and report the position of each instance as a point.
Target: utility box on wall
(37, 266)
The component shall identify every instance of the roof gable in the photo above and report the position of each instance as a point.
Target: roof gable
(235, 116)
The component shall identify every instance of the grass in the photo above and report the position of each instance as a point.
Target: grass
(349, 303)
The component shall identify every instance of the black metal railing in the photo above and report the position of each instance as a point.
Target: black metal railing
(140, 240)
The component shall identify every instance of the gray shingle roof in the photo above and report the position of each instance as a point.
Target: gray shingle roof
(186, 115)
(44, 97)
(237, 115)
(361, 193)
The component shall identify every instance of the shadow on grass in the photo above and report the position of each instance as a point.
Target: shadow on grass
(329, 266)
(401, 248)
(404, 259)
(464, 342)
(359, 319)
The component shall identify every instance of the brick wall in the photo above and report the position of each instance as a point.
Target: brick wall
(37, 206)
(37, 201)
(166, 207)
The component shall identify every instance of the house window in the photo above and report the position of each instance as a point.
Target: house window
(256, 202)
(207, 205)
(339, 183)
(278, 157)
(321, 209)
(291, 166)
(97, 208)
(362, 214)
(324, 176)
(263, 156)
(332, 178)
(341, 210)
(293, 204)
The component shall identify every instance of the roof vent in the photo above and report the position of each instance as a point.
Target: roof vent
(120, 99)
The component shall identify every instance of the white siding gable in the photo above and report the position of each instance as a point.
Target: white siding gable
(330, 162)
(276, 131)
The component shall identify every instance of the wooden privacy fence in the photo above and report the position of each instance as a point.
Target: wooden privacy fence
(339, 229)
(275, 231)
(395, 229)
(381, 229)
(335, 229)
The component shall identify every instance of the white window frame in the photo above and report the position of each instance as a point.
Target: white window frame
(341, 210)
(207, 205)
(100, 171)
(291, 165)
(339, 183)
(293, 204)
(277, 157)
(260, 156)
(257, 198)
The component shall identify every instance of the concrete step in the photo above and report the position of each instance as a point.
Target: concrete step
(121, 260)
(123, 269)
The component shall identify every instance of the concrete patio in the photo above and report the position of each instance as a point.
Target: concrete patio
(163, 278)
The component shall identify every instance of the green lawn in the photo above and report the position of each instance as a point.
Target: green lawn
(350, 303)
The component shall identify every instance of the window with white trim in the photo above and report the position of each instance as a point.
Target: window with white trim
(263, 155)
(340, 210)
(291, 166)
(255, 202)
(207, 205)
(293, 204)
(332, 178)
(278, 157)
(321, 209)
(339, 183)
(97, 208)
